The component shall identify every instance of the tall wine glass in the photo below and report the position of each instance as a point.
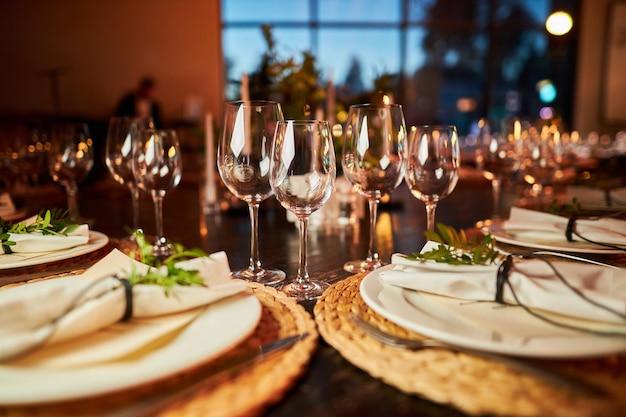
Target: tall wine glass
(157, 167)
(498, 156)
(433, 164)
(243, 161)
(70, 159)
(541, 157)
(302, 175)
(373, 161)
(122, 135)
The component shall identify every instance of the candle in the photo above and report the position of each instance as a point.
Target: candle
(330, 101)
(210, 196)
(245, 87)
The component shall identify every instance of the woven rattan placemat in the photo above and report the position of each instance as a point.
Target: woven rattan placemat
(244, 393)
(468, 383)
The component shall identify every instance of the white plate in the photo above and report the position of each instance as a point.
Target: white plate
(482, 326)
(96, 241)
(218, 328)
(510, 237)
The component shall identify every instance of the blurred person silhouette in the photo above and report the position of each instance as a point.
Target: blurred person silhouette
(141, 102)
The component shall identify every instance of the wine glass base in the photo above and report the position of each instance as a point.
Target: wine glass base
(311, 290)
(362, 266)
(263, 276)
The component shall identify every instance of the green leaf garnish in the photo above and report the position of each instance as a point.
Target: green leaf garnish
(49, 222)
(456, 249)
(565, 209)
(164, 272)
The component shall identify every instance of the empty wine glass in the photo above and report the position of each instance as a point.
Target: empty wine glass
(302, 174)
(120, 142)
(70, 159)
(243, 161)
(541, 157)
(373, 161)
(498, 156)
(433, 164)
(157, 167)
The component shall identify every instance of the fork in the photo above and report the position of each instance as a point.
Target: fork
(546, 375)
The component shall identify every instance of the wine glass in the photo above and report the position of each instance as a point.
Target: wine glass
(302, 175)
(433, 163)
(373, 161)
(120, 142)
(243, 161)
(541, 158)
(70, 159)
(157, 167)
(498, 156)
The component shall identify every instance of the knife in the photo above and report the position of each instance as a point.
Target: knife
(158, 401)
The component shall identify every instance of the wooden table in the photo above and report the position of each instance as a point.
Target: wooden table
(331, 386)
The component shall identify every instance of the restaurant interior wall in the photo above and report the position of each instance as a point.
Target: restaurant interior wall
(100, 49)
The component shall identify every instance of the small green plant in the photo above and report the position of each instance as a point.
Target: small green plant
(455, 248)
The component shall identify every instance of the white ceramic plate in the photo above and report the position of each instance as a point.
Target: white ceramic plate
(548, 243)
(96, 241)
(218, 328)
(482, 326)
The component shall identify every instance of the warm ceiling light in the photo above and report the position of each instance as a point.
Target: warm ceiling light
(559, 23)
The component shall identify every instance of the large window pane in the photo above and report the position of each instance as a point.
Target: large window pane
(265, 11)
(359, 11)
(357, 56)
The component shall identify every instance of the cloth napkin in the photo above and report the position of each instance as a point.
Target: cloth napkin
(31, 243)
(534, 283)
(72, 308)
(7, 208)
(531, 224)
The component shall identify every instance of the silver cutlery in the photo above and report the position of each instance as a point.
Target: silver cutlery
(556, 379)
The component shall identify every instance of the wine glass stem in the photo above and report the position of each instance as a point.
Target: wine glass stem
(431, 206)
(303, 274)
(372, 255)
(255, 262)
(71, 189)
(134, 194)
(496, 187)
(158, 214)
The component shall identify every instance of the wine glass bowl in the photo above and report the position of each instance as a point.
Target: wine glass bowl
(433, 165)
(121, 140)
(540, 161)
(157, 168)
(243, 161)
(302, 176)
(70, 159)
(373, 161)
(498, 157)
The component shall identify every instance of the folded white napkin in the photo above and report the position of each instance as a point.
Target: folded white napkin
(531, 224)
(595, 197)
(38, 243)
(71, 308)
(7, 208)
(534, 283)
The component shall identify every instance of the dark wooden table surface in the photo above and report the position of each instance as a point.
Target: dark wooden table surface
(331, 386)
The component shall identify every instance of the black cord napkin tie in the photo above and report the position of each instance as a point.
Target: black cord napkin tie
(570, 229)
(570, 232)
(128, 292)
(503, 275)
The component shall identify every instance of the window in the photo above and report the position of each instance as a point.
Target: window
(445, 61)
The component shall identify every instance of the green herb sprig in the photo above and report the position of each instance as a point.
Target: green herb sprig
(456, 249)
(49, 222)
(164, 272)
(565, 209)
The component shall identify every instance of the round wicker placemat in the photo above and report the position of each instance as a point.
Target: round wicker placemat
(468, 383)
(244, 393)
